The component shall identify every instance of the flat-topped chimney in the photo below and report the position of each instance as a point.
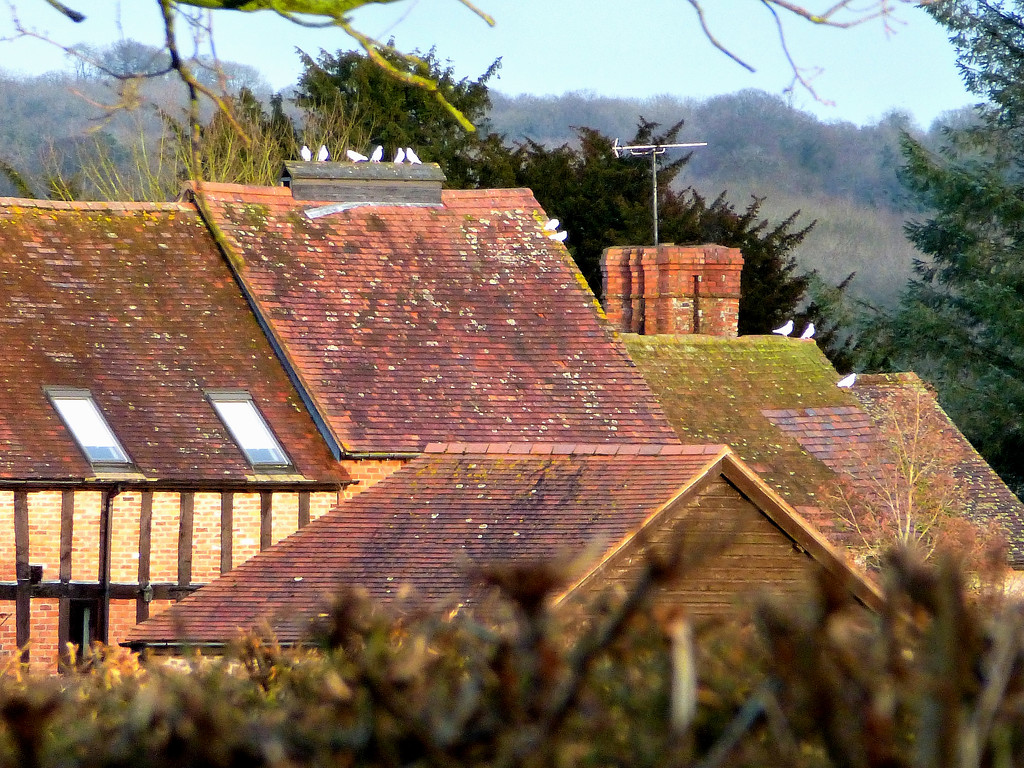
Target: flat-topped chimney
(673, 289)
(364, 182)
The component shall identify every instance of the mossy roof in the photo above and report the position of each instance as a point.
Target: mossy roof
(718, 390)
(774, 400)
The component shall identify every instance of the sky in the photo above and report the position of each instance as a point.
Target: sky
(606, 47)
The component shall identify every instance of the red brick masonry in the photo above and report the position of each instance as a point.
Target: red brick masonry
(673, 289)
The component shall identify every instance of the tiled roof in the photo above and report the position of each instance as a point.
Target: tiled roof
(134, 303)
(845, 437)
(722, 390)
(987, 496)
(774, 401)
(411, 325)
(428, 525)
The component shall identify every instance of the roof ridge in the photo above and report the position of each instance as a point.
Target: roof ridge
(576, 449)
(93, 205)
(223, 186)
(490, 192)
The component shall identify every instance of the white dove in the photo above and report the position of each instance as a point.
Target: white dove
(847, 381)
(411, 156)
(785, 330)
(399, 156)
(354, 156)
(552, 225)
(808, 332)
(305, 153)
(559, 236)
(378, 153)
(323, 155)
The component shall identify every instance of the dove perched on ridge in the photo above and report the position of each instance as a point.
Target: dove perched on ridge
(305, 153)
(808, 332)
(785, 330)
(323, 155)
(354, 156)
(411, 156)
(399, 156)
(847, 381)
(378, 153)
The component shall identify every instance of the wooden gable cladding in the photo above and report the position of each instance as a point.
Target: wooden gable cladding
(733, 538)
(729, 552)
(126, 553)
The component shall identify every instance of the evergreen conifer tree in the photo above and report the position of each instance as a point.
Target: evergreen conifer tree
(961, 322)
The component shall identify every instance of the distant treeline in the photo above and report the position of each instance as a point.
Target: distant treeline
(757, 144)
(842, 175)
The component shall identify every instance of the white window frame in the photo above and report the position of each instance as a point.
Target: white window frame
(83, 418)
(252, 427)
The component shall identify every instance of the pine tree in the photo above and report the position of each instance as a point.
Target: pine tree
(961, 322)
(355, 104)
(604, 200)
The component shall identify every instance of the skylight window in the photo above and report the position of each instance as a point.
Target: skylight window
(247, 426)
(85, 422)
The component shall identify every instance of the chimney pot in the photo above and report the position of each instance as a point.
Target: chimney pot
(364, 182)
(673, 289)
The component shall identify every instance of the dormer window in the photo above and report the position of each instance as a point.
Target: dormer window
(83, 419)
(249, 429)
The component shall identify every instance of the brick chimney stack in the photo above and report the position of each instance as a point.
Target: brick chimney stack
(673, 289)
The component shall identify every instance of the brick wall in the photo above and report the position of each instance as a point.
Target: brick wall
(163, 555)
(673, 289)
(43, 517)
(124, 537)
(256, 519)
(8, 631)
(206, 513)
(367, 473)
(246, 527)
(85, 551)
(122, 619)
(43, 646)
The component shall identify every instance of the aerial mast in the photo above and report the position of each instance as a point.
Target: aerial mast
(642, 150)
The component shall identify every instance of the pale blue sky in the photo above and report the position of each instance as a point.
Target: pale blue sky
(554, 46)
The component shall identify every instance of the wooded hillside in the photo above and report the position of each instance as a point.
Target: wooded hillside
(842, 175)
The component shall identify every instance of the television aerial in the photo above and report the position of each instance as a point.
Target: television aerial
(643, 150)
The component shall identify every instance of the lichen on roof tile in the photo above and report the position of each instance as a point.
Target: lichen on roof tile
(134, 303)
(419, 325)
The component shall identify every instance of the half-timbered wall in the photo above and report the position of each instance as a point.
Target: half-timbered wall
(162, 546)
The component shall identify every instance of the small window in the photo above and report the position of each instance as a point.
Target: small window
(87, 425)
(243, 420)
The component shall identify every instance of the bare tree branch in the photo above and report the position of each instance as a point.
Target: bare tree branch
(843, 14)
